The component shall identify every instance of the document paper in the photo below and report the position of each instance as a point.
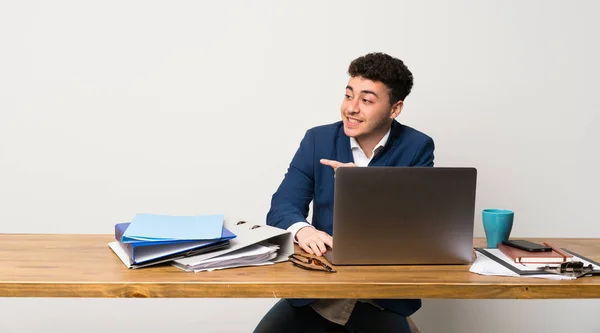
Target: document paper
(253, 255)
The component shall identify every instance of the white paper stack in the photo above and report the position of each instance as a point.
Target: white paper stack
(495, 262)
(254, 255)
(487, 266)
(255, 244)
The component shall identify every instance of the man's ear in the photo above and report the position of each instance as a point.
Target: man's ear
(396, 109)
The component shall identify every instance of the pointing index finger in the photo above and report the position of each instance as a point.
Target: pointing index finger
(331, 163)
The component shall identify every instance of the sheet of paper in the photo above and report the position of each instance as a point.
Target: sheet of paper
(486, 266)
(221, 267)
(257, 254)
(248, 234)
(240, 261)
(152, 227)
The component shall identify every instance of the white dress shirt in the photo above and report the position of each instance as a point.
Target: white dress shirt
(360, 159)
(339, 310)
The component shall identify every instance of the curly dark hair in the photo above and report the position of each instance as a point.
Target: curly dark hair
(387, 69)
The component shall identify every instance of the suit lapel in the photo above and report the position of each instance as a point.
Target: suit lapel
(384, 155)
(343, 152)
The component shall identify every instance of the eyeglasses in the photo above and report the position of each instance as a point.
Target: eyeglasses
(309, 263)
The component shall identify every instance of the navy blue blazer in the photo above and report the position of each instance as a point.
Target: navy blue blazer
(308, 180)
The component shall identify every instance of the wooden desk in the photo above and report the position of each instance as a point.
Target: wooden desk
(84, 266)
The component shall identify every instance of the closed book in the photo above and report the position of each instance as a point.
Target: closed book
(556, 256)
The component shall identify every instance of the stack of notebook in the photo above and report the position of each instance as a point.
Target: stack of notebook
(152, 239)
(555, 256)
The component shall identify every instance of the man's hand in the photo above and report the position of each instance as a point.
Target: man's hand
(335, 164)
(313, 241)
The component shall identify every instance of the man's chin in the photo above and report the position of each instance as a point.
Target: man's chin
(350, 132)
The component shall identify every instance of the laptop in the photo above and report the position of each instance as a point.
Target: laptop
(403, 216)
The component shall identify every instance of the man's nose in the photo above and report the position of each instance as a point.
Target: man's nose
(353, 107)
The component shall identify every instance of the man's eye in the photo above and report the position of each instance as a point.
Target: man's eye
(348, 96)
(366, 101)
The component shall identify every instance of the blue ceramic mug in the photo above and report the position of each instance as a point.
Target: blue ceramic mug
(497, 224)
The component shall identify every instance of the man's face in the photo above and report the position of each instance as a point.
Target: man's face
(366, 109)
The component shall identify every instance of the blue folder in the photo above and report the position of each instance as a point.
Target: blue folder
(145, 252)
(154, 227)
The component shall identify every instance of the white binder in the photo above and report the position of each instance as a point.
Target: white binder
(247, 234)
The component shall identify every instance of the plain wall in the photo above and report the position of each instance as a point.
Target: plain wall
(111, 108)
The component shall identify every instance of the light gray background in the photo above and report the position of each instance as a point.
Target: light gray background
(110, 108)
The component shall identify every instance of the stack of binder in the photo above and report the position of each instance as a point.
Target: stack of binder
(253, 255)
(255, 245)
(152, 239)
(199, 243)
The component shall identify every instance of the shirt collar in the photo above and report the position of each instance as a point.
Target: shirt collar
(354, 144)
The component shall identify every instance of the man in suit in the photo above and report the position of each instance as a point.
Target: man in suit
(367, 135)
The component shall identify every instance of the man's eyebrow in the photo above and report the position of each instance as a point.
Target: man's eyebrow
(363, 91)
(369, 92)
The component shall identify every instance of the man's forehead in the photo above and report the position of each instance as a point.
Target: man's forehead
(359, 83)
